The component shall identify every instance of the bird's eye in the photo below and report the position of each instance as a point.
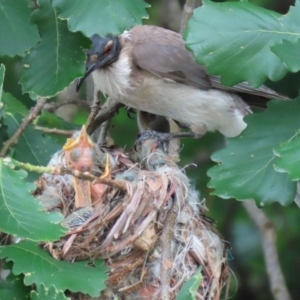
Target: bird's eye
(108, 49)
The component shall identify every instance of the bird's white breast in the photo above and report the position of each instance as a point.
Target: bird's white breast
(115, 79)
(213, 109)
(196, 108)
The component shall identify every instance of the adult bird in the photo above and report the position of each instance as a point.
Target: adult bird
(148, 68)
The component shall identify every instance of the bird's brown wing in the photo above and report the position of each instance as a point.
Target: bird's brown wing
(162, 52)
(245, 88)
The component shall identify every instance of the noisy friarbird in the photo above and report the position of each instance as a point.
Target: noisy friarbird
(148, 68)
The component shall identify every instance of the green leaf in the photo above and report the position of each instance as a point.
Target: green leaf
(233, 40)
(2, 72)
(101, 16)
(57, 60)
(21, 214)
(246, 166)
(44, 293)
(50, 120)
(289, 159)
(188, 290)
(14, 288)
(17, 34)
(40, 267)
(33, 146)
(288, 53)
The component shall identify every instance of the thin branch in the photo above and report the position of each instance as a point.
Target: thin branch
(103, 132)
(56, 170)
(52, 106)
(188, 8)
(34, 112)
(166, 254)
(108, 110)
(174, 10)
(268, 236)
(95, 108)
(55, 131)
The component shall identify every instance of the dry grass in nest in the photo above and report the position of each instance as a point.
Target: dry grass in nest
(152, 233)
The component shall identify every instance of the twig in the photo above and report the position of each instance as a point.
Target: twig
(188, 8)
(95, 108)
(52, 106)
(108, 110)
(26, 121)
(120, 184)
(174, 10)
(268, 236)
(55, 131)
(103, 133)
(166, 253)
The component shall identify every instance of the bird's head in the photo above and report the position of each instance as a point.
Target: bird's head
(104, 51)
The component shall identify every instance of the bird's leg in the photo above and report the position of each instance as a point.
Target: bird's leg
(198, 130)
(104, 137)
(174, 144)
(143, 120)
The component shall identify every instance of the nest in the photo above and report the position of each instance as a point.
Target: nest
(146, 221)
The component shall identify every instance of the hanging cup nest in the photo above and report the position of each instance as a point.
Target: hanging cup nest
(142, 216)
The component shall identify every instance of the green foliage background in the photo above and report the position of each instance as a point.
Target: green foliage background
(250, 280)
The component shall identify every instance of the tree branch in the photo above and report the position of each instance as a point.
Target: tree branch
(34, 112)
(57, 131)
(56, 170)
(52, 106)
(268, 236)
(166, 253)
(188, 8)
(108, 110)
(95, 108)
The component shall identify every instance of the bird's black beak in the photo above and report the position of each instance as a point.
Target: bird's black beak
(89, 70)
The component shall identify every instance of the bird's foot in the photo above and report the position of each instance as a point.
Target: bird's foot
(198, 131)
(164, 136)
(153, 135)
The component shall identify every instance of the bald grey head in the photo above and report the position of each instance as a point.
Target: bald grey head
(104, 51)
